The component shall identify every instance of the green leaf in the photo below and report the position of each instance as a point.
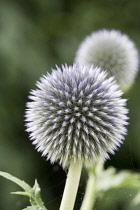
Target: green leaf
(19, 182)
(33, 193)
(22, 193)
(109, 179)
(37, 194)
(36, 207)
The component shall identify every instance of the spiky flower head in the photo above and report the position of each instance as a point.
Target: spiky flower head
(112, 51)
(76, 114)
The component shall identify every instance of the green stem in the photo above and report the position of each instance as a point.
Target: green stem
(90, 194)
(71, 186)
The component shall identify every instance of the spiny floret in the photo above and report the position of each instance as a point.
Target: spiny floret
(112, 51)
(76, 114)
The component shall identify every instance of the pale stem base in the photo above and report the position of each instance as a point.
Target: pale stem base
(71, 186)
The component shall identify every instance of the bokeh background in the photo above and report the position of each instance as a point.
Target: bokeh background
(35, 35)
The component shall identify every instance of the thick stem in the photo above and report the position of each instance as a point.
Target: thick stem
(71, 186)
(90, 194)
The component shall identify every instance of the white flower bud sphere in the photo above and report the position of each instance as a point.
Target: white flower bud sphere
(112, 51)
(76, 114)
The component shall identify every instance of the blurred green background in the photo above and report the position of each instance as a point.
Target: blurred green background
(35, 35)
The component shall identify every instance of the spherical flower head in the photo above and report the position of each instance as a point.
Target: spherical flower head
(76, 114)
(114, 52)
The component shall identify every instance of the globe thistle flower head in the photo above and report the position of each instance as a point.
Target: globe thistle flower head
(76, 114)
(112, 51)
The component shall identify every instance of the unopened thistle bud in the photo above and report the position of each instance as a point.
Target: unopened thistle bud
(112, 51)
(76, 114)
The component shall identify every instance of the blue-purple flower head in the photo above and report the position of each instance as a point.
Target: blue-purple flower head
(76, 114)
(112, 51)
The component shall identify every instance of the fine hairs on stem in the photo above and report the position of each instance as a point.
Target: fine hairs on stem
(71, 186)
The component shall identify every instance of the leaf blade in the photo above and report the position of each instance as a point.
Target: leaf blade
(19, 182)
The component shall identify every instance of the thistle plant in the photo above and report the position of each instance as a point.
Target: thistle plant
(114, 52)
(76, 116)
